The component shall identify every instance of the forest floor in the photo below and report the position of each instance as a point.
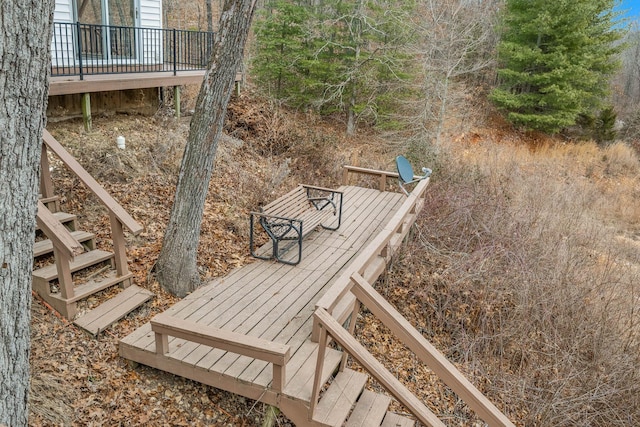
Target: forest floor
(78, 379)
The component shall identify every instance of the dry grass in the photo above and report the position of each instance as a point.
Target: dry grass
(525, 269)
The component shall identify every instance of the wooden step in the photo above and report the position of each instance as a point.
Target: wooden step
(392, 419)
(47, 200)
(45, 247)
(302, 372)
(65, 218)
(91, 287)
(370, 410)
(109, 312)
(336, 403)
(80, 262)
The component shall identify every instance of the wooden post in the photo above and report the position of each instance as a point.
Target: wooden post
(86, 111)
(117, 235)
(46, 184)
(65, 283)
(345, 176)
(317, 385)
(352, 329)
(176, 100)
(162, 343)
(383, 182)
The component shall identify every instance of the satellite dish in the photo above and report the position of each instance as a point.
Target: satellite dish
(404, 169)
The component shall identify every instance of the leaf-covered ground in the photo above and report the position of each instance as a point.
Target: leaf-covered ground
(475, 249)
(80, 380)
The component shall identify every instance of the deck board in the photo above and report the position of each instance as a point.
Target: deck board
(271, 301)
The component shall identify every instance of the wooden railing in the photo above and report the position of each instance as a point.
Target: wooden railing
(331, 327)
(278, 355)
(61, 238)
(119, 218)
(354, 286)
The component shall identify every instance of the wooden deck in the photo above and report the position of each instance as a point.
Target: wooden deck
(271, 301)
(109, 82)
(264, 330)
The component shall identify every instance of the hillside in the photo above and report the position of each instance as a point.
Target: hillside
(522, 269)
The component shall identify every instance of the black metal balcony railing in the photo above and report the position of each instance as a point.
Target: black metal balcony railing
(83, 49)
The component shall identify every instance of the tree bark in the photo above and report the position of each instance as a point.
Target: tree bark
(209, 7)
(176, 268)
(25, 39)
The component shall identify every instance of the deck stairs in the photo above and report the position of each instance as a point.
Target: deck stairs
(347, 403)
(69, 267)
(344, 400)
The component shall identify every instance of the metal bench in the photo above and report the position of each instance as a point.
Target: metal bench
(293, 216)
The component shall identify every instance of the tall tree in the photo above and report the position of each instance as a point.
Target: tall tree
(25, 39)
(456, 42)
(209, 7)
(557, 57)
(176, 267)
(334, 55)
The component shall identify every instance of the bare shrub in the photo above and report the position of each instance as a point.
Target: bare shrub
(519, 278)
(621, 159)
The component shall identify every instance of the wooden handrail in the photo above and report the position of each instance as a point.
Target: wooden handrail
(352, 280)
(382, 175)
(93, 185)
(427, 353)
(61, 238)
(333, 295)
(375, 368)
(277, 354)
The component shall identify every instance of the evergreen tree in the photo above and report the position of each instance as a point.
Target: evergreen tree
(283, 56)
(334, 55)
(556, 58)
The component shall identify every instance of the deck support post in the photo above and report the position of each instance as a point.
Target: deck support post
(176, 101)
(383, 182)
(119, 249)
(162, 343)
(86, 111)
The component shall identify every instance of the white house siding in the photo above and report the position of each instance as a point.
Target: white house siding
(151, 17)
(62, 41)
(63, 11)
(151, 13)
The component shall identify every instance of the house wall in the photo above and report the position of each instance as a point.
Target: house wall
(151, 13)
(63, 11)
(62, 41)
(151, 17)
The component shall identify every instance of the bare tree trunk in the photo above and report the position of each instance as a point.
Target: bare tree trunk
(176, 268)
(25, 38)
(209, 15)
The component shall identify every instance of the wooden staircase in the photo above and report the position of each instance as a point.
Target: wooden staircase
(70, 267)
(347, 403)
